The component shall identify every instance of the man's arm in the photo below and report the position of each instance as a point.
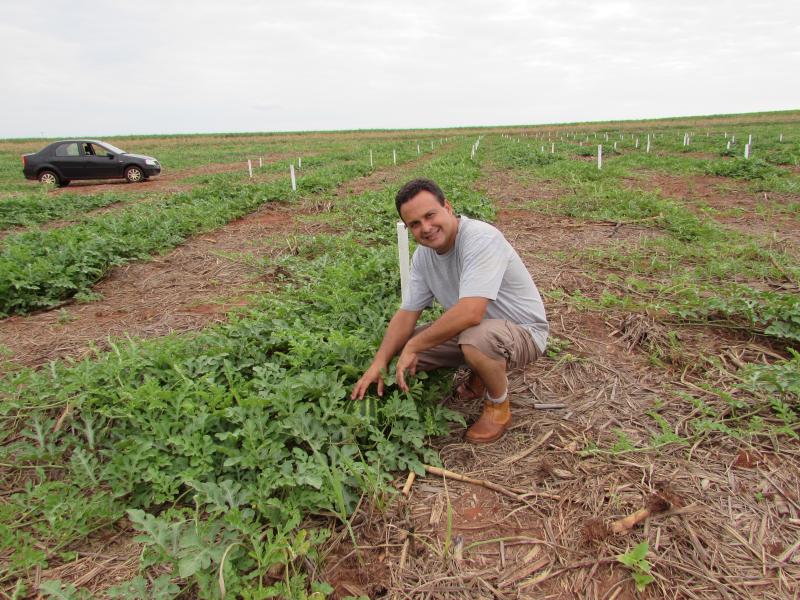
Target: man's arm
(400, 329)
(467, 312)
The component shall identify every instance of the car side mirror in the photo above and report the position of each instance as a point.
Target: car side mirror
(109, 155)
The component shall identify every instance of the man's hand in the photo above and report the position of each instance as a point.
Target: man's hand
(373, 375)
(406, 362)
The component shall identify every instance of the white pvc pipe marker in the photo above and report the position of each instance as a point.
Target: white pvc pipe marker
(300, 162)
(250, 167)
(370, 159)
(747, 150)
(260, 162)
(402, 255)
(394, 156)
(599, 156)
(294, 181)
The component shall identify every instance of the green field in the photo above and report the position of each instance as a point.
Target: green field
(228, 460)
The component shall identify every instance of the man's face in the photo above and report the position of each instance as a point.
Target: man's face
(431, 224)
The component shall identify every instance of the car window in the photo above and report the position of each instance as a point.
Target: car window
(112, 148)
(69, 149)
(97, 150)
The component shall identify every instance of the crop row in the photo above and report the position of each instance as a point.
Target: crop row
(702, 261)
(222, 443)
(39, 269)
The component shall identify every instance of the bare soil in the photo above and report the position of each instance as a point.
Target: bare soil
(167, 181)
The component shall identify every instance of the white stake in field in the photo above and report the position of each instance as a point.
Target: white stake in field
(402, 252)
(394, 157)
(250, 167)
(294, 181)
(371, 164)
(599, 156)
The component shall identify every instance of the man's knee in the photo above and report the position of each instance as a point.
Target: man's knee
(474, 354)
(485, 338)
(501, 341)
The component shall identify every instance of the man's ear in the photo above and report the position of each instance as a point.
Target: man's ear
(448, 206)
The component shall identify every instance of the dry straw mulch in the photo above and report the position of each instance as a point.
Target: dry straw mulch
(722, 516)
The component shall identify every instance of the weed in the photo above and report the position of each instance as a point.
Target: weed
(635, 559)
(741, 168)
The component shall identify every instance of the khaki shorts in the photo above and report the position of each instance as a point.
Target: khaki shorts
(496, 338)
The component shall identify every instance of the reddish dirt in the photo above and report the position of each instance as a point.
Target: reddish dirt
(169, 180)
(166, 182)
(181, 291)
(735, 206)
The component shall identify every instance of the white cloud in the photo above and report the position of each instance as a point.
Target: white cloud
(78, 66)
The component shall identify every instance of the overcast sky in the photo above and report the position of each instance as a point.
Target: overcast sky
(140, 66)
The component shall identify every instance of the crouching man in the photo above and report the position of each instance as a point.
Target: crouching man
(494, 319)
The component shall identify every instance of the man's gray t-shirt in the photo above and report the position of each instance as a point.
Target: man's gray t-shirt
(481, 264)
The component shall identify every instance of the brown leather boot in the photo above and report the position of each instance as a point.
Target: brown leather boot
(492, 424)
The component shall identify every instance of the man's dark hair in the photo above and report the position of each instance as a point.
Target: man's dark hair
(414, 187)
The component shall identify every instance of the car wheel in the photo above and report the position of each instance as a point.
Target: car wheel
(134, 174)
(48, 178)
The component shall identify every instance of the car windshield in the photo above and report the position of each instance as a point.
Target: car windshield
(111, 148)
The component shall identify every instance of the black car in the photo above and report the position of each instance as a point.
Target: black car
(61, 162)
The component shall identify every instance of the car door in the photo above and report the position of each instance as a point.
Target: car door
(67, 158)
(100, 163)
